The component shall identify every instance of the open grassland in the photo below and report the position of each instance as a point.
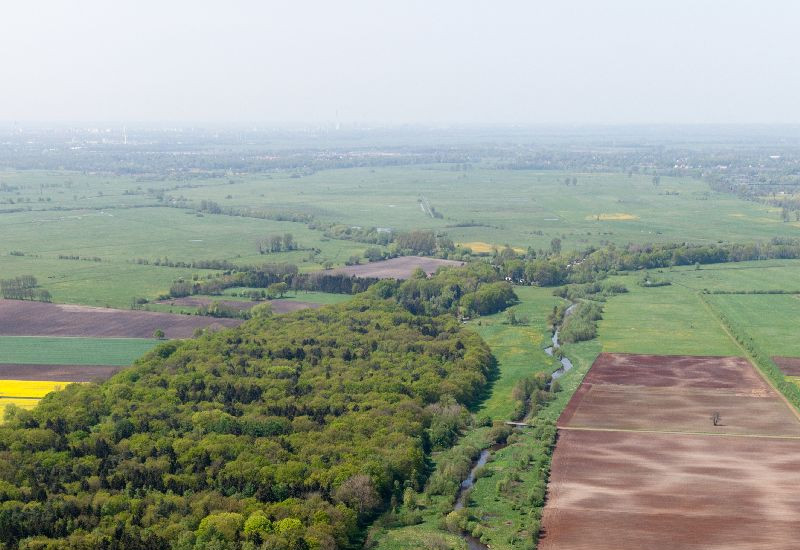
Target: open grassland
(614, 207)
(533, 207)
(73, 351)
(772, 321)
(102, 284)
(758, 276)
(669, 320)
(519, 349)
(118, 219)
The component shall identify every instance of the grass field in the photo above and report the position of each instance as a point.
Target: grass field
(72, 351)
(118, 219)
(669, 320)
(519, 349)
(739, 276)
(104, 284)
(772, 320)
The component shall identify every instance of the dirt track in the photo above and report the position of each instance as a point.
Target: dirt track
(23, 318)
(619, 482)
(790, 366)
(57, 373)
(397, 268)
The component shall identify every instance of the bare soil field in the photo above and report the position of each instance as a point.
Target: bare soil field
(674, 371)
(790, 366)
(635, 491)
(397, 268)
(278, 306)
(22, 318)
(639, 463)
(653, 409)
(57, 373)
(678, 394)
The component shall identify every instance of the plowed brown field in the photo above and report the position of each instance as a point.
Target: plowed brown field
(790, 366)
(57, 373)
(640, 465)
(22, 318)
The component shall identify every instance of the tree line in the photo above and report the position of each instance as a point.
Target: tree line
(25, 287)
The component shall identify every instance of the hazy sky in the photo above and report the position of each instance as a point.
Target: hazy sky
(432, 61)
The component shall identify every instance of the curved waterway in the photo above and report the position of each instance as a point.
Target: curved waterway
(472, 542)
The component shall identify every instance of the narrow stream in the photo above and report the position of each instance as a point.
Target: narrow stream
(566, 364)
(472, 542)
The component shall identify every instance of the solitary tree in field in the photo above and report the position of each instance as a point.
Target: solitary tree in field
(158, 333)
(277, 289)
(716, 418)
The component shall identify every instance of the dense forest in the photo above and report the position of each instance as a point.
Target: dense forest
(288, 432)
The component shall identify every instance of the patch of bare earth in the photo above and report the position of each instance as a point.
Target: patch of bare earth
(23, 318)
(396, 268)
(57, 373)
(790, 366)
(639, 464)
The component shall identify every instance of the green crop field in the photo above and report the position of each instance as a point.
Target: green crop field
(72, 351)
(771, 320)
(669, 320)
(782, 275)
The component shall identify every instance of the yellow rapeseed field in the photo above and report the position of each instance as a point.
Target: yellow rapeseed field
(28, 388)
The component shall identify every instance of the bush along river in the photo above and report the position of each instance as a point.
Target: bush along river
(463, 493)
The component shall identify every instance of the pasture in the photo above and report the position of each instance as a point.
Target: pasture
(120, 219)
(668, 320)
(772, 320)
(519, 349)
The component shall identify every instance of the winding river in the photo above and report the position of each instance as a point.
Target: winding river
(463, 492)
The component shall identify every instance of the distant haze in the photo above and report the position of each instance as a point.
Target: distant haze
(432, 61)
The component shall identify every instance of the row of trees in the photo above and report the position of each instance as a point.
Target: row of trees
(277, 243)
(25, 287)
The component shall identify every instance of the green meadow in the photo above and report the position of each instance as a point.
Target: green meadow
(667, 320)
(772, 321)
(36, 350)
(518, 349)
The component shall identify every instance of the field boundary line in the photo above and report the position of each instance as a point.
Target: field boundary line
(674, 432)
(749, 357)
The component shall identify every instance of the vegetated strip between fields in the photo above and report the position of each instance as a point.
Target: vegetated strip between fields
(674, 432)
